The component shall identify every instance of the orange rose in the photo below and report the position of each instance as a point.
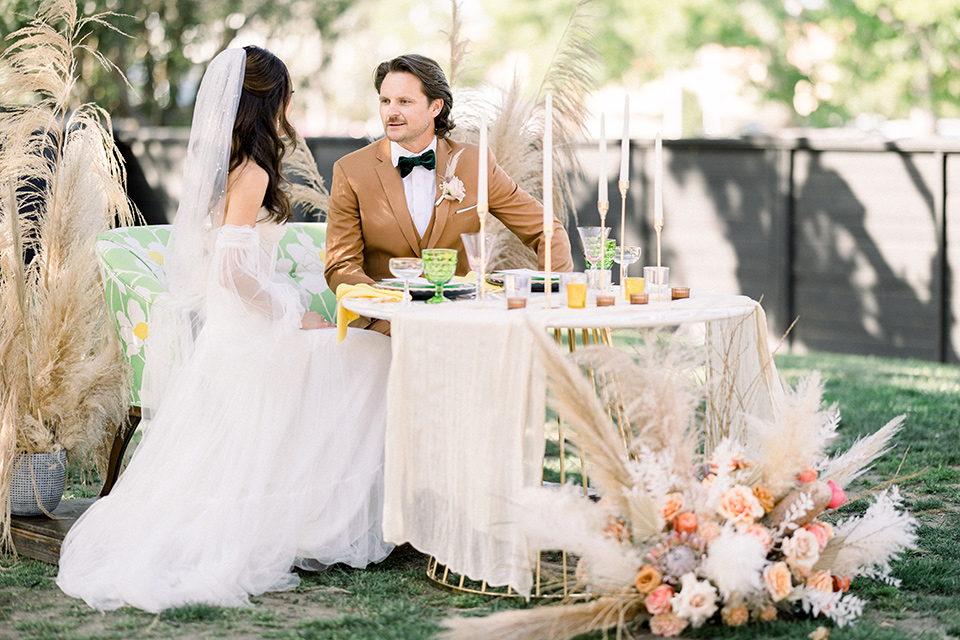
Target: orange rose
(807, 475)
(763, 496)
(820, 581)
(841, 583)
(739, 505)
(648, 579)
(776, 579)
(685, 522)
(670, 505)
(734, 616)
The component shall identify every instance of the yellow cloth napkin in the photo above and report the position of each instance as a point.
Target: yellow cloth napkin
(471, 278)
(345, 316)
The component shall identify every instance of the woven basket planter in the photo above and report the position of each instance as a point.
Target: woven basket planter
(37, 483)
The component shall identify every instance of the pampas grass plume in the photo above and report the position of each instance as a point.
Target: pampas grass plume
(734, 563)
(873, 541)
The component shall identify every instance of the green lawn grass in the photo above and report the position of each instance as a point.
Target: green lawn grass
(395, 600)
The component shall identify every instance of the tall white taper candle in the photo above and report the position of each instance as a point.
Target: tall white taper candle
(602, 181)
(625, 141)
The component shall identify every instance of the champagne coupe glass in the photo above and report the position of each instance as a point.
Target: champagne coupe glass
(439, 265)
(471, 244)
(630, 255)
(594, 240)
(405, 269)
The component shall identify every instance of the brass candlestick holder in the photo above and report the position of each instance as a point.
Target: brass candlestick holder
(482, 211)
(602, 207)
(624, 185)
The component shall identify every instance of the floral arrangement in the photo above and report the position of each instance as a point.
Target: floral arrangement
(680, 538)
(451, 187)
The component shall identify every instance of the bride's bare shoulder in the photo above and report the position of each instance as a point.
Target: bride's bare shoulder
(246, 186)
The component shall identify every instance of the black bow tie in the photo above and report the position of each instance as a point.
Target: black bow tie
(427, 160)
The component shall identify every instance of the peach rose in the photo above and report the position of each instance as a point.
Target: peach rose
(807, 475)
(667, 624)
(685, 522)
(802, 550)
(670, 505)
(617, 530)
(648, 579)
(764, 497)
(777, 581)
(734, 616)
(658, 600)
(820, 581)
(738, 504)
(768, 613)
(761, 533)
(841, 583)
(822, 531)
(708, 529)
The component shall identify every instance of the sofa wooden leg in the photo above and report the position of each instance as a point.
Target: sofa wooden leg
(120, 443)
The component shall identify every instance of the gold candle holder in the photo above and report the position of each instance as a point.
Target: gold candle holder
(623, 185)
(482, 211)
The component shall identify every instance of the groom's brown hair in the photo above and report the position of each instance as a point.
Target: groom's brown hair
(432, 80)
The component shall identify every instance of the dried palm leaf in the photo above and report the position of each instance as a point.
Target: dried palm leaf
(557, 623)
(308, 195)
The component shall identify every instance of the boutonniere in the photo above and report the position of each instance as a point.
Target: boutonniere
(452, 187)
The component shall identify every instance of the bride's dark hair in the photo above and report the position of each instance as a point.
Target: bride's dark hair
(261, 118)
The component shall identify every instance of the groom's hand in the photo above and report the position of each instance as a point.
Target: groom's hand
(313, 320)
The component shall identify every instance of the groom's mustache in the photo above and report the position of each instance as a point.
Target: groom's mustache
(395, 121)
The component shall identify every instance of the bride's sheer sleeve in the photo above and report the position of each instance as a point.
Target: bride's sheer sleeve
(239, 272)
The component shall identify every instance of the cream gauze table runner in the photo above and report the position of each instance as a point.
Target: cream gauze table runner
(466, 410)
(465, 416)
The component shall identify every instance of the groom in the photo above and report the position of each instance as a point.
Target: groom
(416, 189)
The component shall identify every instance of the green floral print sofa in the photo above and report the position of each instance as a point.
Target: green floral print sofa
(133, 274)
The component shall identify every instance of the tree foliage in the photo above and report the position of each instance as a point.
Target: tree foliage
(162, 46)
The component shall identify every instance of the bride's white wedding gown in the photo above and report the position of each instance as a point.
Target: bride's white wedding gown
(265, 450)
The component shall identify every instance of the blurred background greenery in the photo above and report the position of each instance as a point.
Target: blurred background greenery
(714, 68)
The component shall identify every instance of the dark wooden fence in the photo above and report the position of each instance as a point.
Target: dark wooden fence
(854, 240)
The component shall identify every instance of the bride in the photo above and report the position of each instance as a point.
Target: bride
(265, 444)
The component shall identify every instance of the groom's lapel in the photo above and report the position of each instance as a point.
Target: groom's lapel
(393, 189)
(441, 212)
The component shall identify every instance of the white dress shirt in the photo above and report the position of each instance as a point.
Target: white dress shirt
(420, 186)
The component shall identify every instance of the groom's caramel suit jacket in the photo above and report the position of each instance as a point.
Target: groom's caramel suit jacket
(368, 222)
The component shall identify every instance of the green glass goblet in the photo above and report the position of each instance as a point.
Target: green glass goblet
(439, 265)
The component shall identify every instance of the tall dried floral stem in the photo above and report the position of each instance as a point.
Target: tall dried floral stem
(62, 378)
(516, 126)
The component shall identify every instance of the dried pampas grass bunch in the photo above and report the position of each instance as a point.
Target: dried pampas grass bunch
(304, 185)
(681, 538)
(516, 125)
(63, 381)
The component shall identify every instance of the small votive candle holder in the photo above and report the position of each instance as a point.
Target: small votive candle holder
(639, 298)
(573, 288)
(606, 300)
(679, 293)
(516, 287)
